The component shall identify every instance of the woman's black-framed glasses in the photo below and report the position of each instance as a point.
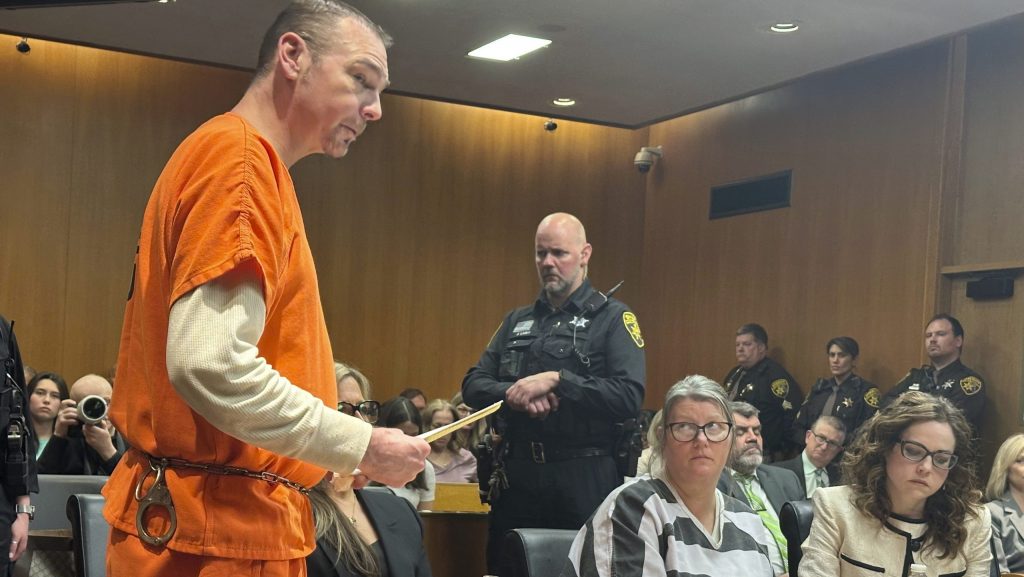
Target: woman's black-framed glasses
(368, 409)
(916, 452)
(715, 431)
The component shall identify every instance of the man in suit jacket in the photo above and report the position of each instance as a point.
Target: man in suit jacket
(815, 466)
(763, 487)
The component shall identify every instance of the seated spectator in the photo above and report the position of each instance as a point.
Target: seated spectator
(472, 435)
(77, 448)
(676, 522)
(45, 393)
(643, 464)
(354, 384)
(419, 400)
(400, 413)
(363, 533)
(1005, 492)
(452, 464)
(815, 466)
(911, 498)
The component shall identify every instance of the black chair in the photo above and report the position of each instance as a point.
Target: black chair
(54, 491)
(795, 521)
(536, 552)
(90, 533)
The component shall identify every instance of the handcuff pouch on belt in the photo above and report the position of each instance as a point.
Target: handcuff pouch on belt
(158, 494)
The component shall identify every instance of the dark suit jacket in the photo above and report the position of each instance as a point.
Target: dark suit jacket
(401, 537)
(780, 485)
(797, 466)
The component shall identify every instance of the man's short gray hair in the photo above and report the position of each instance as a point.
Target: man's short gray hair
(743, 409)
(314, 21)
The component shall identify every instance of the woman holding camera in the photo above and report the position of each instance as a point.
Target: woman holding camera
(911, 498)
(676, 521)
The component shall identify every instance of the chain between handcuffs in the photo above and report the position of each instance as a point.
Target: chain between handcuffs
(158, 495)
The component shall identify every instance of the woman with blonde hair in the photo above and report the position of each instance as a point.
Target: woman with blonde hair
(1005, 492)
(363, 533)
(471, 436)
(452, 464)
(911, 498)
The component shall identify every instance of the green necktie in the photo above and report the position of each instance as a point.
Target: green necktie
(769, 522)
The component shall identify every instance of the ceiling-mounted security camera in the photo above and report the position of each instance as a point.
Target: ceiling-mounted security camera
(644, 159)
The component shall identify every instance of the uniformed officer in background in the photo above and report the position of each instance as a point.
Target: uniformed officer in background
(843, 395)
(570, 368)
(945, 376)
(767, 385)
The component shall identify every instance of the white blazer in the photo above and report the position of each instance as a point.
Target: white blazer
(844, 542)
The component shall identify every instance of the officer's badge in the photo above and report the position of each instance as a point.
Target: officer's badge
(872, 397)
(787, 406)
(522, 327)
(579, 322)
(971, 385)
(629, 320)
(748, 389)
(847, 402)
(949, 384)
(780, 387)
(914, 387)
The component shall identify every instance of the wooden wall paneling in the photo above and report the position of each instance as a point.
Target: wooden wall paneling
(131, 113)
(35, 168)
(848, 257)
(994, 346)
(992, 204)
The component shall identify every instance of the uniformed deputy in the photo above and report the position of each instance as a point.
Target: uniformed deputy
(767, 385)
(946, 376)
(569, 367)
(843, 395)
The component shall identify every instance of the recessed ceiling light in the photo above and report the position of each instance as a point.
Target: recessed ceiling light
(509, 48)
(784, 27)
(563, 102)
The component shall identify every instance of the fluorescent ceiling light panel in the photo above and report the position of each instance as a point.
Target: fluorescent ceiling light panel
(509, 48)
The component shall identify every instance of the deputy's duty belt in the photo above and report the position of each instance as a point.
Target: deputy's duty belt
(539, 452)
(158, 495)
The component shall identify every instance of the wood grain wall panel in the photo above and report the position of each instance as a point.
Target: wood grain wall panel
(35, 170)
(992, 205)
(994, 346)
(131, 112)
(424, 235)
(849, 255)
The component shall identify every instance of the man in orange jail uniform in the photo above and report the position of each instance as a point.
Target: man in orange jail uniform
(225, 381)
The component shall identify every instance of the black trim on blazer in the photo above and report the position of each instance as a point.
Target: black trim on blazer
(861, 564)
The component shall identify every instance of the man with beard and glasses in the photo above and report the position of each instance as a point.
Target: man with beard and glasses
(764, 487)
(569, 367)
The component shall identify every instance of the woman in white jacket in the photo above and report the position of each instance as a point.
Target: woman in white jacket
(911, 497)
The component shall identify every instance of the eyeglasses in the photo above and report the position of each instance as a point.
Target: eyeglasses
(715, 431)
(916, 452)
(368, 409)
(826, 441)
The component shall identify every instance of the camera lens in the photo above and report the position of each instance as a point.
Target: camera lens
(92, 409)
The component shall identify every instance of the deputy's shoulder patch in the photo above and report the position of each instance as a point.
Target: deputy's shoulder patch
(780, 387)
(971, 385)
(872, 397)
(633, 327)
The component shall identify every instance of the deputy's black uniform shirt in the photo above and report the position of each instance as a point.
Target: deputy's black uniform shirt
(592, 397)
(856, 401)
(962, 386)
(775, 393)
